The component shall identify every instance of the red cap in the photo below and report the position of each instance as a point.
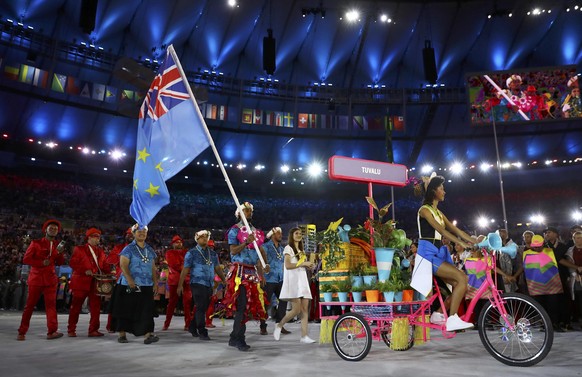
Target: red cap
(531, 88)
(211, 243)
(177, 239)
(49, 222)
(92, 231)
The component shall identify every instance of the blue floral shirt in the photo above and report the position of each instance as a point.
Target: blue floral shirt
(140, 271)
(201, 263)
(246, 256)
(276, 261)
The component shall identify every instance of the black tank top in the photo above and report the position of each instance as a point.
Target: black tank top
(425, 230)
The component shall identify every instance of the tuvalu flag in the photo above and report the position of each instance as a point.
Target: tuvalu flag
(171, 133)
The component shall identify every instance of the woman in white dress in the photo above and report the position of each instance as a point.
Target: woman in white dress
(295, 284)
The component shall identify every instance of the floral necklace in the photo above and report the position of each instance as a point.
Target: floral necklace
(207, 260)
(279, 255)
(144, 258)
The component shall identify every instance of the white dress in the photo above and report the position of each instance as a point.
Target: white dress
(295, 282)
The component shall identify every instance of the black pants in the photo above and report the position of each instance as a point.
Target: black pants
(239, 328)
(551, 303)
(201, 296)
(275, 288)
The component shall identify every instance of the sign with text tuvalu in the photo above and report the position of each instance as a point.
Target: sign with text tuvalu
(366, 171)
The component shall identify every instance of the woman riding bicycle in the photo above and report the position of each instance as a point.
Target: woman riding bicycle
(432, 226)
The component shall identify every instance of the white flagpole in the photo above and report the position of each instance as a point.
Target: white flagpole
(500, 91)
(211, 142)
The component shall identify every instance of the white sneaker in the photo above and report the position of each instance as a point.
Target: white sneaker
(277, 332)
(437, 318)
(455, 323)
(306, 340)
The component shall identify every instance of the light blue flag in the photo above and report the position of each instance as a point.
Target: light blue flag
(171, 133)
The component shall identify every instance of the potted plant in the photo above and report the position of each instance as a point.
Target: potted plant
(356, 274)
(407, 291)
(357, 292)
(370, 274)
(387, 288)
(333, 252)
(372, 293)
(343, 288)
(328, 290)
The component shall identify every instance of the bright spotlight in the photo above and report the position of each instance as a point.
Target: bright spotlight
(259, 167)
(384, 18)
(116, 154)
(285, 168)
(314, 169)
(241, 166)
(538, 219)
(485, 167)
(456, 168)
(576, 215)
(86, 150)
(352, 15)
(232, 3)
(426, 169)
(51, 145)
(482, 222)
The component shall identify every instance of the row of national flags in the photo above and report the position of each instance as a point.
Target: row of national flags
(70, 85)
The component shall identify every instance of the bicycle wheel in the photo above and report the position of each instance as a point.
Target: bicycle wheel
(351, 337)
(399, 344)
(531, 338)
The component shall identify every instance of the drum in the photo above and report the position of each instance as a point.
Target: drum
(104, 284)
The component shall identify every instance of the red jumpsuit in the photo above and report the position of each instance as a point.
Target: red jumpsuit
(42, 280)
(84, 286)
(175, 260)
(113, 259)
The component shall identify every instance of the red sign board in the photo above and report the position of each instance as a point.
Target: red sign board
(367, 171)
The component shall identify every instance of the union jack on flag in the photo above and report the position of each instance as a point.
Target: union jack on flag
(167, 90)
(171, 133)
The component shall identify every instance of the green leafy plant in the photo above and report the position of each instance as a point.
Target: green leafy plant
(343, 285)
(324, 288)
(371, 287)
(359, 288)
(370, 270)
(358, 269)
(387, 286)
(385, 234)
(333, 253)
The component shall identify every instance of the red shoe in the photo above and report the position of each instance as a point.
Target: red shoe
(20, 337)
(164, 328)
(72, 334)
(94, 334)
(54, 335)
(209, 326)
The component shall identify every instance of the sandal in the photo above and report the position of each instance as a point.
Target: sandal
(122, 339)
(151, 339)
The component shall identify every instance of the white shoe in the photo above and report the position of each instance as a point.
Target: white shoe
(277, 332)
(455, 323)
(437, 318)
(306, 340)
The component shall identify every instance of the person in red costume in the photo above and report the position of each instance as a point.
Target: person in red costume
(113, 260)
(175, 260)
(42, 256)
(87, 260)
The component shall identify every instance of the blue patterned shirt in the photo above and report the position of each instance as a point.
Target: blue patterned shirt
(140, 271)
(276, 261)
(201, 263)
(246, 256)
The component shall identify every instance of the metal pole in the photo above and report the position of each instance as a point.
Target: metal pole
(499, 170)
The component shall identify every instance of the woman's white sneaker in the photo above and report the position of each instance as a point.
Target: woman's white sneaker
(437, 318)
(306, 340)
(277, 332)
(455, 323)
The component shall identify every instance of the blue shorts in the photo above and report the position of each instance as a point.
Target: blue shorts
(435, 255)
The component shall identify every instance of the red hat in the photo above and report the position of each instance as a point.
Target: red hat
(49, 222)
(211, 243)
(128, 231)
(531, 88)
(177, 239)
(92, 231)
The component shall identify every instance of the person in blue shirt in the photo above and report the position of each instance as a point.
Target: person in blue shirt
(201, 262)
(245, 278)
(274, 251)
(133, 298)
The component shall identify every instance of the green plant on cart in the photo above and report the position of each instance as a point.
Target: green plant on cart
(329, 239)
(358, 269)
(343, 285)
(370, 270)
(359, 288)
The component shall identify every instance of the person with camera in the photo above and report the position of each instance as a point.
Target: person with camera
(87, 260)
(133, 298)
(42, 256)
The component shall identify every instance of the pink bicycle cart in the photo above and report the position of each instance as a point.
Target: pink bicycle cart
(513, 327)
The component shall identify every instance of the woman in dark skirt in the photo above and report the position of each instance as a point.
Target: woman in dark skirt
(132, 301)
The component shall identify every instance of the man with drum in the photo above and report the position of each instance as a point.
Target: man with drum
(87, 260)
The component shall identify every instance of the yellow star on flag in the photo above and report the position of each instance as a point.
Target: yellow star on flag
(143, 155)
(135, 184)
(159, 167)
(153, 190)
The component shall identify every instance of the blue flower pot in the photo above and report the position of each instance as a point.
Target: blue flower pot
(343, 297)
(328, 297)
(384, 257)
(357, 296)
(370, 279)
(357, 281)
(389, 296)
(398, 296)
